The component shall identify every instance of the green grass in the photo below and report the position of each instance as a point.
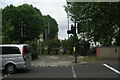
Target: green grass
(95, 59)
(90, 58)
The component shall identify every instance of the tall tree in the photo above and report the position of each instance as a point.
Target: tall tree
(27, 14)
(0, 26)
(100, 23)
(51, 26)
(64, 45)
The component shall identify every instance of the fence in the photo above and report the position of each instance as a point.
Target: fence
(108, 52)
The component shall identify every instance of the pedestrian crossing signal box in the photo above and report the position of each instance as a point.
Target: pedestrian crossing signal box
(74, 49)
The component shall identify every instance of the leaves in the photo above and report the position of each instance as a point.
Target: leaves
(27, 14)
(99, 19)
(51, 26)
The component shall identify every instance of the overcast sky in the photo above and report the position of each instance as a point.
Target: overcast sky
(52, 7)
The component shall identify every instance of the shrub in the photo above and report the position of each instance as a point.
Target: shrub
(91, 52)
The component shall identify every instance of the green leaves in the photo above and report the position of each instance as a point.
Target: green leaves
(27, 14)
(99, 19)
(51, 46)
(35, 24)
(51, 26)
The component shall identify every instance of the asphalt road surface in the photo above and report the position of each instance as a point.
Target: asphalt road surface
(51, 67)
(72, 71)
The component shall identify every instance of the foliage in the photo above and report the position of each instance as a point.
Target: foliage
(33, 49)
(64, 45)
(0, 26)
(51, 26)
(92, 52)
(8, 28)
(33, 46)
(27, 14)
(68, 45)
(51, 46)
(99, 23)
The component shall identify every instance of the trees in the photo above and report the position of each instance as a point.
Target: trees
(51, 27)
(0, 26)
(31, 17)
(64, 45)
(34, 23)
(100, 23)
(51, 46)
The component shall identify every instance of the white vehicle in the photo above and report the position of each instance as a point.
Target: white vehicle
(15, 56)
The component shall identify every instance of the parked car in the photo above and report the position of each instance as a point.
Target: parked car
(15, 56)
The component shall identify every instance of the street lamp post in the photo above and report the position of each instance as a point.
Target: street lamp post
(68, 14)
(68, 22)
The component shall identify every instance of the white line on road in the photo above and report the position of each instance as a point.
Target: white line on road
(111, 68)
(36, 65)
(1, 78)
(5, 76)
(74, 75)
(54, 65)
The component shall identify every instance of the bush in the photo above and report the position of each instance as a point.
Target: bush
(50, 46)
(33, 49)
(15, 42)
(34, 56)
(91, 52)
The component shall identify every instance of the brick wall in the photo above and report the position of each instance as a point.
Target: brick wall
(108, 52)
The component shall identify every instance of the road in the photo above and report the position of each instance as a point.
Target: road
(91, 71)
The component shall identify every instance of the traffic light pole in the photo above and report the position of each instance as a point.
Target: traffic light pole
(22, 31)
(75, 54)
(75, 34)
(21, 27)
(73, 31)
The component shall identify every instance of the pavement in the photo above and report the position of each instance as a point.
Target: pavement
(57, 60)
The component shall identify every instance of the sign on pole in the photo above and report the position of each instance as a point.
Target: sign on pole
(74, 49)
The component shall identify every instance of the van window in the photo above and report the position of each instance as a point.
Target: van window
(26, 48)
(10, 50)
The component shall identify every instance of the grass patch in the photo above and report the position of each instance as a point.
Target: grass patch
(90, 58)
(95, 59)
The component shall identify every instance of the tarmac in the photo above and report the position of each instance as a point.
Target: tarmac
(57, 60)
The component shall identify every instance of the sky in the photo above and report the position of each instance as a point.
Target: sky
(52, 7)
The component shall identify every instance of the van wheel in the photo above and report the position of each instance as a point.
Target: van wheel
(10, 68)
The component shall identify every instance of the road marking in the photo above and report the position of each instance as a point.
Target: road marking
(83, 63)
(66, 65)
(54, 57)
(71, 56)
(36, 65)
(74, 75)
(113, 69)
(5, 76)
(81, 57)
(1, 78)
(53, 65)
(43, 65)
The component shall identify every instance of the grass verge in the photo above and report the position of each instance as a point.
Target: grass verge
(95, 59)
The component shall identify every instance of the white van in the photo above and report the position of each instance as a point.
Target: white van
(15, 56)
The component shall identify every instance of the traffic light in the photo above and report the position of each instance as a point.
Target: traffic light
(24, 30)
(78, 27)
(72, 31)
(69, 32)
